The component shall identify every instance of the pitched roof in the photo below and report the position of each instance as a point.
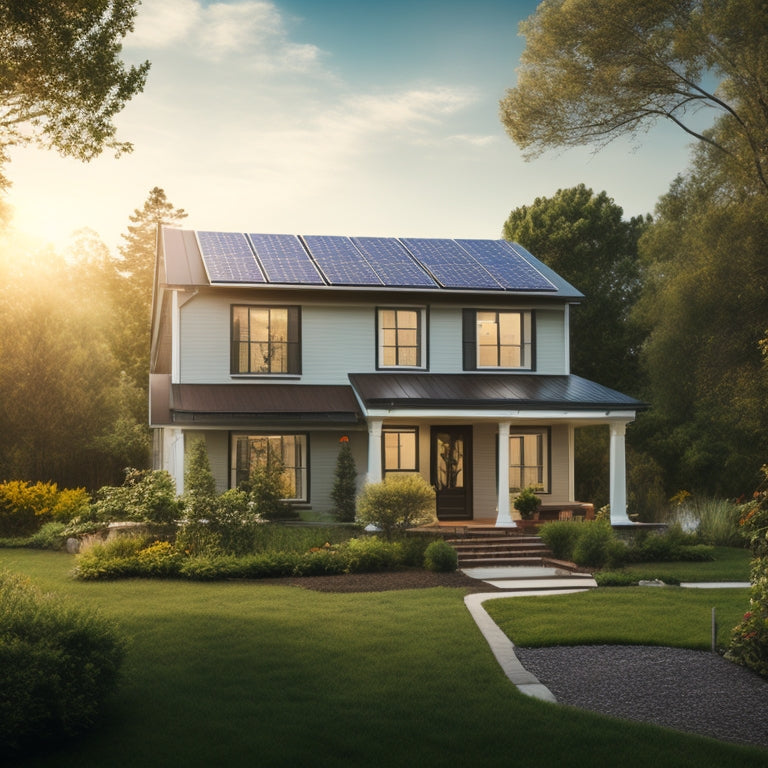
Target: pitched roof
(367, 263)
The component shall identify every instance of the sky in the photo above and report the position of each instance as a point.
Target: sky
(336, 117)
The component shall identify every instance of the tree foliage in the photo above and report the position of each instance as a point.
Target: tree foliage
(583, 237)
(62, 81)
(703, 310)
(593, 70)
(132, 284)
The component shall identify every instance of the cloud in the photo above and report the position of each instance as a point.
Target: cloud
(253, 29)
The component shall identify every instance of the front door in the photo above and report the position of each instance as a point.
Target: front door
(452, 471)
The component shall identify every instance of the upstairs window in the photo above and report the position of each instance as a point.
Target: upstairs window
(497, 339)
(265, 340)
(401, 337)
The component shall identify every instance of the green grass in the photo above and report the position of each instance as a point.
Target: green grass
(730, 564)
(670, 616)
(244, 674)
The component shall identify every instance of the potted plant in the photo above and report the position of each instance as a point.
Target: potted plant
(527, 502)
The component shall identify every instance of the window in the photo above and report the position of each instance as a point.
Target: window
(529, 460)
(498, 339)
(401, 338)
(400, 449)
(265, 340)
(290, 449)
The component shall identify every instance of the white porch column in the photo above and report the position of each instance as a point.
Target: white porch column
(173, 460)
(504, 516)
(374, 451)
(618, 476)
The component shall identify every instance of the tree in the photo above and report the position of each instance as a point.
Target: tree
(62, 81)
(703, 311)
(593, 70)
(132, 284)
(583, 237)
(345, 483)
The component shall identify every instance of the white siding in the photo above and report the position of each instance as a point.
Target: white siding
(205, 323)
(445, 350)
(550, 341)
(337, 340)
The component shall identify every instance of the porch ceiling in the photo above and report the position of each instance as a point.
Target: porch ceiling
(490, 391)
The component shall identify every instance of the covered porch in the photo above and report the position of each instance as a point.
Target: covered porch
(472, 433)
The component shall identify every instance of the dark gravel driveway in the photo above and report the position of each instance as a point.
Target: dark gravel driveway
(695, 691)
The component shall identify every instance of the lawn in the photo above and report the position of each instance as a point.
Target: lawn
(244, 674)
(730, 564)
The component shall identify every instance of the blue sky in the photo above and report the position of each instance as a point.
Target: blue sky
(327, 117)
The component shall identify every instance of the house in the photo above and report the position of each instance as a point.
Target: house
(445, 357)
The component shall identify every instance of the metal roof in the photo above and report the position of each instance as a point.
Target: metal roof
(487, 391)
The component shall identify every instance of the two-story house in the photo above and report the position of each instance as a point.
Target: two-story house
(449, 358)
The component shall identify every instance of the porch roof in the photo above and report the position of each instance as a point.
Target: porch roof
(241, 403)
(490, 391)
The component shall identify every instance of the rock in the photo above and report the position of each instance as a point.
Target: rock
(651, 583)
(73, 545)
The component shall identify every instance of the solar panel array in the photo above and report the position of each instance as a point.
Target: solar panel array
(372, 262)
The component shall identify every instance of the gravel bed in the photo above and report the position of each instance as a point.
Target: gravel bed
(695, 691)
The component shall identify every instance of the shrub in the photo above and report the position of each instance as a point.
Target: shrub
(345, 484)
(397, 503)
(440, 557)
(117, 558)
(199, 496)
(370, 554)
(52, 535)
(57, 665)
(145, 496)
(267, 487)
(592, 548)
(560, 537)
(159, 559)
(527, 502)
(749, 641)
(25, 507)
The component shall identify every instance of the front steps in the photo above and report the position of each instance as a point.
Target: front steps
(481, 548)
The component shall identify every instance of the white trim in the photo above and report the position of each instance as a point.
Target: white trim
(450, 414)
(374, 451)
(175, 338)
(618, 474)
(504, 515)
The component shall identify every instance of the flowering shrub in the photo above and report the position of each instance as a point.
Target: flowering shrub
(145, 496)
(25, 507)
(749, 641)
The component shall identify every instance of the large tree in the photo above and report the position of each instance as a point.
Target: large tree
(133, 284)
(593, 70)
(704, 309)
(584, 238)
(62, 80)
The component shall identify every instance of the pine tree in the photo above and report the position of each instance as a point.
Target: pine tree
(345, 483)
(132, 284)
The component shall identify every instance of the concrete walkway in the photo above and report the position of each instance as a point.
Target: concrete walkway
(528, 582)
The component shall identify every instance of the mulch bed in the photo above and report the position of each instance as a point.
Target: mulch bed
(385, 581)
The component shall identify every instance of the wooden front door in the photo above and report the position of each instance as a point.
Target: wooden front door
(452, 471)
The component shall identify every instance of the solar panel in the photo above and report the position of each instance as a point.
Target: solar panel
(228, 258)
(508, 267)
(392, 263)
(450, 264)
(284, 260)
(340, 261)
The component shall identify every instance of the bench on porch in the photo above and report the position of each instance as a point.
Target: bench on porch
(576, 511)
